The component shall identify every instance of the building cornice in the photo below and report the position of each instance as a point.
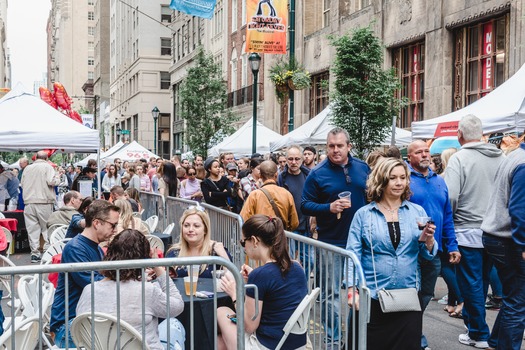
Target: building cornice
(485, 13)
(406, 40)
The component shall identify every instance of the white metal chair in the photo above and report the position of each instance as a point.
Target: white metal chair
(2, 216)
(105, 333)
(26, 335)
(54, 249)
(152, 222)
(155, 243)
(4, 279)
(137, 214)
(58, 234)
(9, 239)
(53, 227)
(168, 229)
(298, 322)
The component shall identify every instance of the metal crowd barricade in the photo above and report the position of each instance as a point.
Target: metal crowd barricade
(332, 318)
(153, 204)
(174, 209)
(41, 270)
(227, 228)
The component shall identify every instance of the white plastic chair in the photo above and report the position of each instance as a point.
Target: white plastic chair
(2, 216)
(54, 249)
(155, 243)
(53, 227)
(58, 234)
(9, 239)
(105, 335)
(167, 230)
(26, 335)
(29, 297)
(152, 222)
(298, 322)
(5, 279)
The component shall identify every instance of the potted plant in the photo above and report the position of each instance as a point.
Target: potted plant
(299, 80)
(288, 75)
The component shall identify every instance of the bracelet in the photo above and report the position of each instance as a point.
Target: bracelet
(235, 301)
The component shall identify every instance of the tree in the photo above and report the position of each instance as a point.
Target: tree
(364, 100)
(203, 98)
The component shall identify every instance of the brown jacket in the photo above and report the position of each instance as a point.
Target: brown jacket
(257, 203)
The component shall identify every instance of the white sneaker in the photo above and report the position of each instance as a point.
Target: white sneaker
(479, 344)
(444, 300)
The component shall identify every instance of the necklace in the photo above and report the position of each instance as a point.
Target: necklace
(392, 212)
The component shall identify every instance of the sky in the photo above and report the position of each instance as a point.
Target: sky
(27, 40)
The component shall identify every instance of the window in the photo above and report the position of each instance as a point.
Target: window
(91, 61)
(91, 30)
(164, 80)
(91, 45)
(318, 94)
(480, 59)
(91, 2)
(91, 15)
(364, 3)
(91, 75)
(135, 135)
(234, 15)
(326, 13)
(409, 63)
(165, 14)
(243, 12)
(233, 76)
(165, 46)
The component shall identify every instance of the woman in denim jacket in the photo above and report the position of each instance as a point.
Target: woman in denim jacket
(388, 224)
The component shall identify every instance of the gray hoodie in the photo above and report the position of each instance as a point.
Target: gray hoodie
(470, 179)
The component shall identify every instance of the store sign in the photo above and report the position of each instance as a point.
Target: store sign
(266, 23)
(487, 63)
(446, 129)
(415, 83)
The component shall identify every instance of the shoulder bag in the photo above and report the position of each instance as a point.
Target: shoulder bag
(274, 207)
(394, 300)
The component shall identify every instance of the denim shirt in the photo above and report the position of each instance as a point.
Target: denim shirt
(394, 268)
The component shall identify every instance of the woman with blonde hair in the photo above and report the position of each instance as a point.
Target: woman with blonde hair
(385, 237)
(445, 156)
(195, 240)
(127, 220)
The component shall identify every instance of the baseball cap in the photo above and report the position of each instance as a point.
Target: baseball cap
(231, 166)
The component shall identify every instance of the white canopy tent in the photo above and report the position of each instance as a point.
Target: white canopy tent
(315, 131)
(131, 152)
(240, 142)
(29, 124)
(109, 152)
(502, 110)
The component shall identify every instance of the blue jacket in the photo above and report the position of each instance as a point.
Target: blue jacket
(322, 187)
(296, 189)
(431, 192)
(395, 268)
(517, 205)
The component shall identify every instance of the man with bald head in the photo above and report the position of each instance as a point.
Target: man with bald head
(38, 183)
(430, 191)
(260, 200)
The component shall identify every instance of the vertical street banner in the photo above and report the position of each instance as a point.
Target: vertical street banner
(486, 83)
(199, 8)
(267, 21)
(415, 81)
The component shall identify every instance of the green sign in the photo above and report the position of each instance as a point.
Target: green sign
(125, 132)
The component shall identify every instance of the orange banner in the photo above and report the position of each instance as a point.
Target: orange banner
(267, 21)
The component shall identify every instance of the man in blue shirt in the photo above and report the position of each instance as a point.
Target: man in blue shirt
(430, 191)
(101, 222)
(338, 173)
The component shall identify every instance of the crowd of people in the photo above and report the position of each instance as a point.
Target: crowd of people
(459, 215)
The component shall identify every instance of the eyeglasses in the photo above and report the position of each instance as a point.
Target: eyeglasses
(113, 225)
(291, 159)
(347, 177)
(192, 174)
(196, 207)
(243, 241)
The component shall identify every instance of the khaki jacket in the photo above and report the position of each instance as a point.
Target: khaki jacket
(38, 183)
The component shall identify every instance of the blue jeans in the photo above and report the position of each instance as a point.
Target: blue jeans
(429, 274)
(60, 337)
(495, 283)
(448, 272)
(328, 277)
(304, 252)
(177, 334)
(473, 279)
(507, 332)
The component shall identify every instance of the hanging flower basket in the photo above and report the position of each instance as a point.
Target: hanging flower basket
(299, 80)
(283, 88)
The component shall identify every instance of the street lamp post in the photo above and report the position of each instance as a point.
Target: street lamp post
(255, 62)
(118, 130)
(155, 113)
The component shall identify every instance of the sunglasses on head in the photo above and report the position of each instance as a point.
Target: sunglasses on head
(196, 207)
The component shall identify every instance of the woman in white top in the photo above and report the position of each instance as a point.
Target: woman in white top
(130, 245)
(111, 179)
(145, 182)
(134, 181)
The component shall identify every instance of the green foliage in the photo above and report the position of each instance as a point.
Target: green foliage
(203, 97)
(363, 102)
(284, 70)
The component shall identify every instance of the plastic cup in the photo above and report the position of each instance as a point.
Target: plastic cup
(346, 195)
(190, 285)
(193, 270)
(422, 221)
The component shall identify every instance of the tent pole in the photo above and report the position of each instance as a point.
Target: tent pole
(99, 194)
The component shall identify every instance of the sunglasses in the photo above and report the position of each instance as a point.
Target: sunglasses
(243, 241)
(192, 174)
(347, 177)
(196, 207)
(113, 225)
